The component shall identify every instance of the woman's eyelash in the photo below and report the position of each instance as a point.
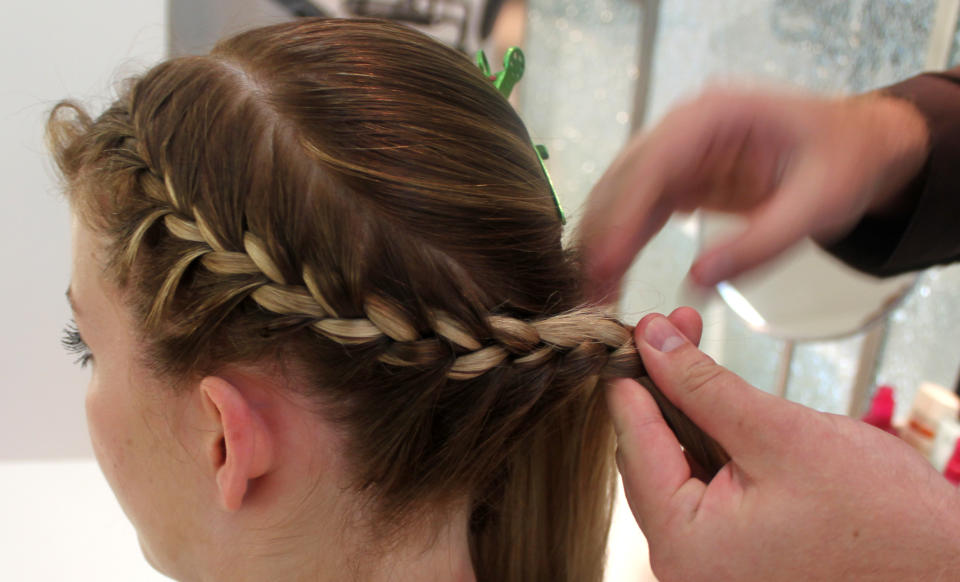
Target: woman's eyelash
(74, 344)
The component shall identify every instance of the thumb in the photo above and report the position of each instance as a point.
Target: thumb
(746, 421)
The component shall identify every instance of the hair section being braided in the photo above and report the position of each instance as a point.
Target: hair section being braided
(510, 340)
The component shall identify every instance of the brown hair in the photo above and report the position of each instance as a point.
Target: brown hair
(358, 199)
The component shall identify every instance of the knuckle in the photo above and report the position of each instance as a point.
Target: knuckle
(645, 424)
(713, 92)
(701, 375)
(669, 564)
(720, 96)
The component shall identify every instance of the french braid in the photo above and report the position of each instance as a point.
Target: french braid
(586, 332)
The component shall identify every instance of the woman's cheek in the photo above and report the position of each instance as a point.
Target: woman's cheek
(107, 434)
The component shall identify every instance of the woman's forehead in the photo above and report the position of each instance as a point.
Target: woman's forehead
(87, 283)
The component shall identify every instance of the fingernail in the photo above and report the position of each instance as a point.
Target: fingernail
(706, 274)
(694, 295)
(661, 334)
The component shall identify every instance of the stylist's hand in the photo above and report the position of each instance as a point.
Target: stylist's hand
(792, 165)
(806, 496)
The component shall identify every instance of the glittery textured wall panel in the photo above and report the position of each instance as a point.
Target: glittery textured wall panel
(924, 338)
(578, 100)
(831, 46)
(577, 92)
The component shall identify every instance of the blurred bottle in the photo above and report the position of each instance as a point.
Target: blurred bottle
(952, 470)
(880, 414)
(932, 404)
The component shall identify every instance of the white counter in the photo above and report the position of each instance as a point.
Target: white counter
(60, 522)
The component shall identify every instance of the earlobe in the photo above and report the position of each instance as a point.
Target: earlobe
(241, 448)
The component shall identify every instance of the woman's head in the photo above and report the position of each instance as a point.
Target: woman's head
(347, 214)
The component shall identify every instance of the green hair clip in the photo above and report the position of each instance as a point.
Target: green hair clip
(504, 81)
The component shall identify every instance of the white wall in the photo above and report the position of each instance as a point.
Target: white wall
(60, 523)
(48, 51)
(196, 25)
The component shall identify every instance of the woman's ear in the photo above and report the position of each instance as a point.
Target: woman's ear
(240, 448)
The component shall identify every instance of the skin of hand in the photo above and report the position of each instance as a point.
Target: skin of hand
(806, 495)
(791, 165)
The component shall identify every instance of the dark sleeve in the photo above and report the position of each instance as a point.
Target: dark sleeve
(928, 231)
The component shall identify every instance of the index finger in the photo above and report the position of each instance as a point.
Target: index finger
(624, 211)
(636, 195)
(651, 461)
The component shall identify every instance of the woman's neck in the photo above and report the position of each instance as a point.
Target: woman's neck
(439, 552)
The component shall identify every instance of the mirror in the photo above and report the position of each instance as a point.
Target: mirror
(806, 294)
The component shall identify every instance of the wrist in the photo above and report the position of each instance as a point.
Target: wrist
(902, 142)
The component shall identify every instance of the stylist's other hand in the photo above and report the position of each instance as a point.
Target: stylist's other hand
(792, 165)
(806, 496)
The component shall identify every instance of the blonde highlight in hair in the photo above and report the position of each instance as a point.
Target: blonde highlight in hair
(359, 199)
